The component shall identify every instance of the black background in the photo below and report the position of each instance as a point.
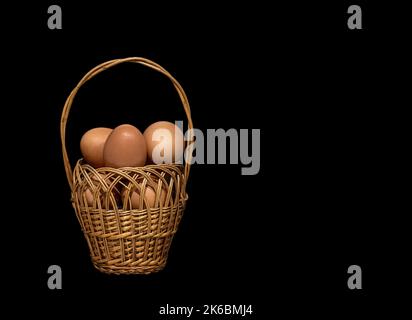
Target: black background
(328, 101)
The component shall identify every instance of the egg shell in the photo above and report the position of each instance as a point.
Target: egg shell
(92, 146)
(125, 147)
(150, 197)
(89, 195)
(163, 138)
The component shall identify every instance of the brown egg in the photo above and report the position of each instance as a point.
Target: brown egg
(150, 197)
(165, 142)
(92, 145)
(89, 194)
(125, 147)
(89, 197)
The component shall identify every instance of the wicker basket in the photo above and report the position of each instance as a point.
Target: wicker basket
(122, 239)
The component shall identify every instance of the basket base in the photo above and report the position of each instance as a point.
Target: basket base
(119, 270)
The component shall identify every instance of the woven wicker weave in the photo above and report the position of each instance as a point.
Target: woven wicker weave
(122, 239)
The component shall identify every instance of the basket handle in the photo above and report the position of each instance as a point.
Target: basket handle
(106, 65)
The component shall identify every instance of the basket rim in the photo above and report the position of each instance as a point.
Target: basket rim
(83, 163)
